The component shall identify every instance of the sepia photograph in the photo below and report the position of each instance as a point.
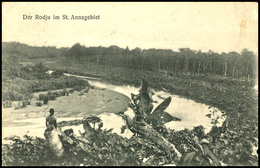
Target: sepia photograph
(130, 84)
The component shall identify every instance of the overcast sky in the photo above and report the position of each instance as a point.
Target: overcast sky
(221, 27)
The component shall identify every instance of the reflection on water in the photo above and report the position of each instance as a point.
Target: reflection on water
(191, 114)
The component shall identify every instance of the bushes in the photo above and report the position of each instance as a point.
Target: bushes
(19, 89)
(26, 152)
(24, 80)
(60, 83)
(39, 104)
(16, 90)
(52, 95)
(57, 74)
(45, 100)
(103, 148)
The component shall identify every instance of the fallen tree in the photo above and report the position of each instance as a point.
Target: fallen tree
(146, 121)
(149, 124)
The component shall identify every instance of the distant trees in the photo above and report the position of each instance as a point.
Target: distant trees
(10, 65)
(24, 51)
(39, 71)
(183, 62)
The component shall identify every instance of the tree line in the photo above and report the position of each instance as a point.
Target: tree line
(182, 62)
(23, 51)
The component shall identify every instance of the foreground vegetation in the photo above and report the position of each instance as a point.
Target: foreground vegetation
(105, 148)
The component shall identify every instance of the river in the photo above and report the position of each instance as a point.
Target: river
(191, 113)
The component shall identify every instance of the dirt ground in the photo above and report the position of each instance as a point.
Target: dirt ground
(95, 102)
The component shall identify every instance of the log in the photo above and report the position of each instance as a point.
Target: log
(147, 131)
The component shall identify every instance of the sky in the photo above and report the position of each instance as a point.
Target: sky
(216, 26)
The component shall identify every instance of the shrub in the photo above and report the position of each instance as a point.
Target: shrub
(39, 104)
(45, 100)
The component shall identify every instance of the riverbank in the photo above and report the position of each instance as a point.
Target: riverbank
(230, 95)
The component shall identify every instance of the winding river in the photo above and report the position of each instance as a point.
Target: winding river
(191, 113)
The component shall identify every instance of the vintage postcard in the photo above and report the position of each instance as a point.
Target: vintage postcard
(129, 84)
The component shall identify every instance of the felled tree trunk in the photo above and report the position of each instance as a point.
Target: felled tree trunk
(148, 132)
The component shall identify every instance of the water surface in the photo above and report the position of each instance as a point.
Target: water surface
(191, 113)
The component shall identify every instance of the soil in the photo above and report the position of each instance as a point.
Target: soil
(75, 105)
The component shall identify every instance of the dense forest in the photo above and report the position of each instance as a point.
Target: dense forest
(183, 62)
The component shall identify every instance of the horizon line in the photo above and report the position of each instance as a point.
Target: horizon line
(178, 50)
